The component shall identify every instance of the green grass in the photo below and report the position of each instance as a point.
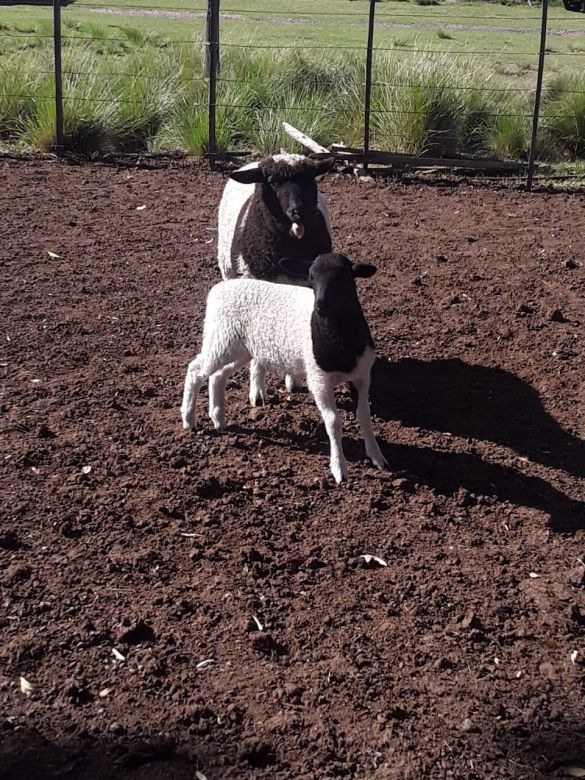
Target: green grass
(136, 82)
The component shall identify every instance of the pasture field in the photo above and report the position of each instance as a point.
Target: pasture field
(251, 637)
(456, 78)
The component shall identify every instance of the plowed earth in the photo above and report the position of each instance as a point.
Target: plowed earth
(253, 639)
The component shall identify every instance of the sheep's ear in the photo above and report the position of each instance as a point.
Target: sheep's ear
(363, 270)
(248, 176)
(323, 166)
(294, 266)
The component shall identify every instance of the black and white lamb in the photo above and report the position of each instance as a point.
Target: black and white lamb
(272, 209)
(320, 333)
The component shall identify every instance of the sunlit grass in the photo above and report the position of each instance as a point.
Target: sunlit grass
(129, 87)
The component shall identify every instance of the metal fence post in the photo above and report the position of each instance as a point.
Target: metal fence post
(58, 76)
(212, 67)
(537, 96)
(368, 91)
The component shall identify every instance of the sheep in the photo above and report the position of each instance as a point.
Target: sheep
(282, 215)
(319, 332)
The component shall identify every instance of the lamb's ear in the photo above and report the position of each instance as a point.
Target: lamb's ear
(295, 266)
(323, 166)
(363, 270)
(248, 176)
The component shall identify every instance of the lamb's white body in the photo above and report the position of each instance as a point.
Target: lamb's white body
(234, 209)
(269, 323)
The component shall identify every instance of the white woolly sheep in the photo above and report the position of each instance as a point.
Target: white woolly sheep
(320, 333)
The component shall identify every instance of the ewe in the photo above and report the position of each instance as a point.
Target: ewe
(282, 215)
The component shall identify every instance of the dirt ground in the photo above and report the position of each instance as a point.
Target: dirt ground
(252, 639)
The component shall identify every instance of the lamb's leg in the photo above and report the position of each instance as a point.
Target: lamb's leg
(257, 384)
(195, 377)
(373, 451)
(217, 383)
(325, 400)
(214, 357)
(289, 382)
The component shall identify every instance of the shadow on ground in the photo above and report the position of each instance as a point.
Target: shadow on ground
(473, 401)
(447, 472)
(31, 756)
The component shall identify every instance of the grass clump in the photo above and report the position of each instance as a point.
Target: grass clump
(563, 118)
(87, 107)
(509, 136)
(417, 110)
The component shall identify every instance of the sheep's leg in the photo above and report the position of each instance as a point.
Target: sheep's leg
(257, 384)
(325, 400)
(217, 383)
(195, 377)
(289, 382)
(213, 358)
(373, 450)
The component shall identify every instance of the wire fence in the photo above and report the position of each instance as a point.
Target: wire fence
(394, 96)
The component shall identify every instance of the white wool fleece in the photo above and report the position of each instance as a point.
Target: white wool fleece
(270, 322)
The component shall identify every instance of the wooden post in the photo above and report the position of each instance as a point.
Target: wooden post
(368, 92)
(58, 76)
(211, 68)
(537, 96)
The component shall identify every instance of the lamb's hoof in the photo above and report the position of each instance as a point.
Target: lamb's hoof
(289, 383)
(380, 463)
(217, 417)
(339, 474)
(257, 400)
(189, 425)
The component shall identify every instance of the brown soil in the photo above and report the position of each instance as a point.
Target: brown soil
(462, 658)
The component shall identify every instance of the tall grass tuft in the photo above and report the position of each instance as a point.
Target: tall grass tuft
(508, 136)
(17, 87)
(87, 108)
(418, 110)
(143, 99)
(563, 118)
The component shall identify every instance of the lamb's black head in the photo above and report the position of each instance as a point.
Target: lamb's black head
(332, 278)
(288, 188)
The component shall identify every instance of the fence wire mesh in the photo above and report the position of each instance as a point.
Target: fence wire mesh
(447, 81)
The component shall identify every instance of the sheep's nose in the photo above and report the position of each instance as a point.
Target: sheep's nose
(294, 215)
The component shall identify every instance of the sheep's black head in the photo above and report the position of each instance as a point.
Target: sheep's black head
(332, 278)
(289, 189)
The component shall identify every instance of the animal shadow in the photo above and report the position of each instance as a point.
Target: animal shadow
(447, 472)
(473, 401)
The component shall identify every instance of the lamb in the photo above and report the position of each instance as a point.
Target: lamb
(319, 332)
(282, 215)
